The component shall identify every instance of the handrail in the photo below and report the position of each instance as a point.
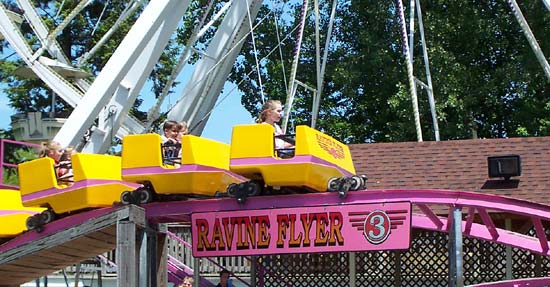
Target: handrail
(186, 244)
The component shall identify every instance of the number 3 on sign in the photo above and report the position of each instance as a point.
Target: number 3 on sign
(377, 227)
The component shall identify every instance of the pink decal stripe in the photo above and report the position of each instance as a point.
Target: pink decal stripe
(186, 168)
(299, 159)
(13, 212)
(77, 185)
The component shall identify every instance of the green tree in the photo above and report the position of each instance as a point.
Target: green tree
(15, 154)
(486, 78)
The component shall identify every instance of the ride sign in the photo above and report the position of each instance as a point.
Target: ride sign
(358, 227)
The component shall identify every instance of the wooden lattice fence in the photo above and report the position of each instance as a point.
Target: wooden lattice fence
(425, 264)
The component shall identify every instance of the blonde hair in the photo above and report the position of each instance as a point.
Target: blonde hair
(266, 107)
(183, 127)
(46, 147)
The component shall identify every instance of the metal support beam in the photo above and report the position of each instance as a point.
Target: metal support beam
(315, 101)
(397, 277)
(154, 112)
(410, 75)
(128, 11)
(110, 119)
(198, 98)
(509, 258)
(530, 37)
(59, 85)
(352, 270)
(118, 66)
(292, 89)
(429, 90)
(253, 270)
(52, 46)
(316, 104)
(196, 271)
(456, 278)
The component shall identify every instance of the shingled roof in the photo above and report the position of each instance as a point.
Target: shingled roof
(456, 165)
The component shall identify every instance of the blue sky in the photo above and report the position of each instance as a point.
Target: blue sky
(5, 111)
(228, 113)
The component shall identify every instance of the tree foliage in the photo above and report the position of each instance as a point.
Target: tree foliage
(15, 154)
(487, 81)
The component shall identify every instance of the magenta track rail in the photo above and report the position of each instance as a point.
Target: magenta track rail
(529, 282)
(432, 210)
(427, 203)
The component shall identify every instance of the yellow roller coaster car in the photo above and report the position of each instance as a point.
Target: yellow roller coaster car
(96, 183)
(320, 163)
(13, 214)
(202, 170)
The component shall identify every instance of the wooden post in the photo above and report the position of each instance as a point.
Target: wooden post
(126, 254)
(77, 275)
(253, 262)
(151, 258)
(161, 256)
(144, 261)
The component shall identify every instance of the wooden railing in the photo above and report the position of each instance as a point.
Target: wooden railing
(235, 264)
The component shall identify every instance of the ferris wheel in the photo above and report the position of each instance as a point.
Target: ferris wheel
(110, 95)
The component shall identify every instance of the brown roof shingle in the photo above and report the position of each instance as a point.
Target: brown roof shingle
(456, 165)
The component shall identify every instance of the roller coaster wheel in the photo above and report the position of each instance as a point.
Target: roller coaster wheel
(31, 222)
(241, 191)
(333, 184)
(364, 178)
(145, 195)
(357, 183)
(253, 188)
(47, 216)
(126, 198)
(232, 189)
